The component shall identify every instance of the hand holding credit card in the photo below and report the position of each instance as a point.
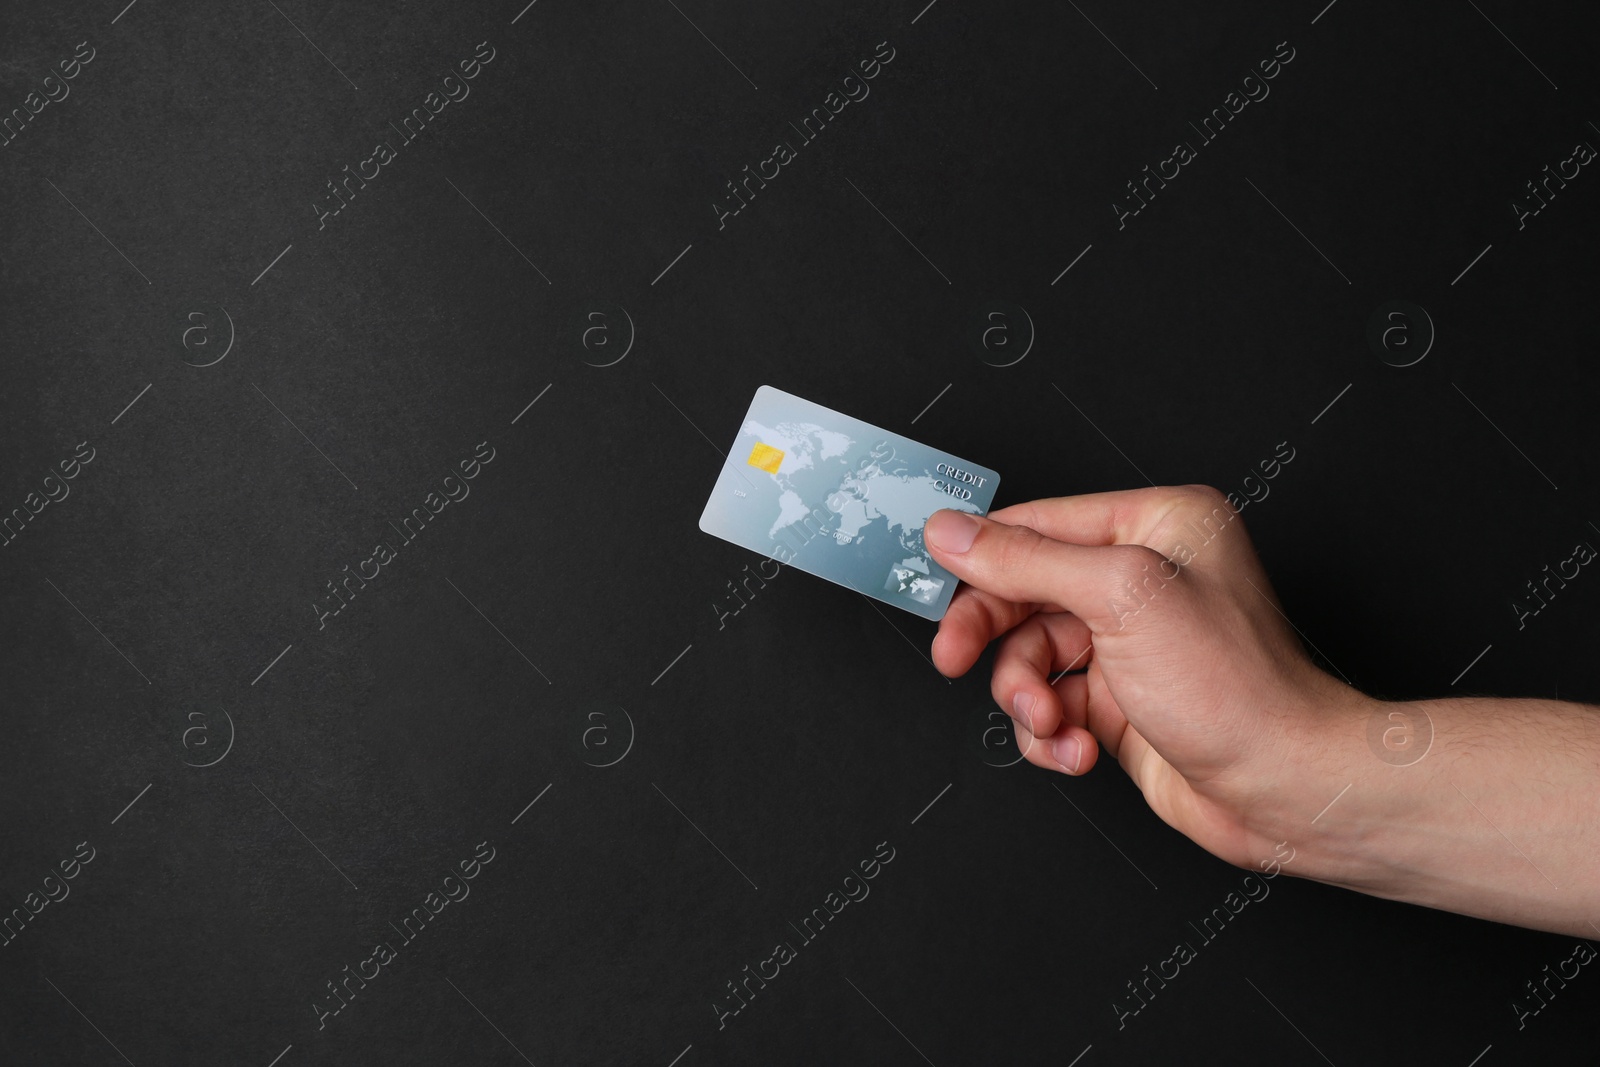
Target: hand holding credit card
(842, 499)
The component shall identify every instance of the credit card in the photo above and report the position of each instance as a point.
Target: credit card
(842, 499)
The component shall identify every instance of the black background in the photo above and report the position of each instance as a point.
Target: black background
(523, 637)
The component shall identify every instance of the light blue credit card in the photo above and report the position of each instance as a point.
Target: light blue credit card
(842, 499)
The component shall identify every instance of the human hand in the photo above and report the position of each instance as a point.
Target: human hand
(1178, 659)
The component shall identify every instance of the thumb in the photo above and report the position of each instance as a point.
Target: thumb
(1021, 565)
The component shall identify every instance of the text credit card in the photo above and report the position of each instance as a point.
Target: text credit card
(842, 499)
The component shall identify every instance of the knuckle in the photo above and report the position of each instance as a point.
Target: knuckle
(1199, 498)
(1135, 565)
(969, 610)
(1202, 509)
(1015, 547)
(1027, 646)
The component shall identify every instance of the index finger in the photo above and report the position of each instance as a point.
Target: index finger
(974, 618)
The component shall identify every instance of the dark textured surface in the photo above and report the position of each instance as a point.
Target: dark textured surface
(521, 638)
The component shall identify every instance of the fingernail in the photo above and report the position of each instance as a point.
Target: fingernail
(1067, 751)
(1022, 704)
(950, 531)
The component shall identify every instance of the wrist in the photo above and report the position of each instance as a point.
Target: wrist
(1467, 805)
(1341, 776)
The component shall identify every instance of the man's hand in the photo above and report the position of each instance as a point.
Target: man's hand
(1179, 662)
(1142, 623)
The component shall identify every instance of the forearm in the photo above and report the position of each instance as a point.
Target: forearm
(1500, 818)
